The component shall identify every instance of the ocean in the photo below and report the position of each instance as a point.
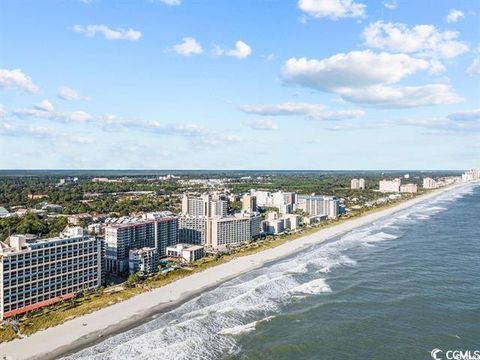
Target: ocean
(394, 289)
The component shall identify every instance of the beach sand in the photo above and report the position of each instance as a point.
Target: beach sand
(94, 327)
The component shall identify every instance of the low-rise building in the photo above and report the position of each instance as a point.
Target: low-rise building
(186, 252)
(357, 184)
(408, 188)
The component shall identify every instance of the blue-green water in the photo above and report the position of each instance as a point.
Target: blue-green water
(395, 289)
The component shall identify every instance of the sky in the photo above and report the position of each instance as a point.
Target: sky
(236, 84)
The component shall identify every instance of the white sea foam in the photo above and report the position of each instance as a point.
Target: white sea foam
(313, 287)
(242, 329)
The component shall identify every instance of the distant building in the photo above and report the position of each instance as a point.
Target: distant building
(249, 202)
(186, 252)
(79, 219)
(471, 175)
(408, 188)
(320, 205)
(429, 183)
(390, 185)
(204, 205)
(144, 260)
(39, 272)
(357, 184)
(274, 226)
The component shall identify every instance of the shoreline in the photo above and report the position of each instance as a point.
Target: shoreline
(84, 331)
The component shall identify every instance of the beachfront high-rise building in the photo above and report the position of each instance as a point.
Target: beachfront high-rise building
(408, 188)
(166, 230)
(191, 229)
(39, 272)
(357, 184)
(228, 231)
(145, 260)
(429, 183)
(319, 205)
(390, 185)
(156, 230)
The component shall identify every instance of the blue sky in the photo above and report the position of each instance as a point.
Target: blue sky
(258, 84)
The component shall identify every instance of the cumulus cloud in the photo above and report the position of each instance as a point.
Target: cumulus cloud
(108, 33)
(261, 124)
(354, 69)
(333, 9)
(366, 77)
(423, 40)
(68, 94)
(466, 115)
(188, 46)
(474, 68)
(241, 50)
(17, 79)
(313, 111)
(454, 15)
(45, 105)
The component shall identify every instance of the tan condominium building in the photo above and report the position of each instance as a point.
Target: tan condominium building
(429, 183)
(38, 272)
(389, 185)
(357, 184)
(205, 205)
(408, 188)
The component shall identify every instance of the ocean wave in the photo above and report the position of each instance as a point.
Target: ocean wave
(313, 287)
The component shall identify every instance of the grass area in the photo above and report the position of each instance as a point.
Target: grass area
(86, 303)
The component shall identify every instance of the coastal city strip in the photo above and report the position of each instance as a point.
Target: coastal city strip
(96, 251)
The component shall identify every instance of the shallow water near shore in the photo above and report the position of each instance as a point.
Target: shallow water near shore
(396, 288)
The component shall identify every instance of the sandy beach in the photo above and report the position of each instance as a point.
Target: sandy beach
(88, 329)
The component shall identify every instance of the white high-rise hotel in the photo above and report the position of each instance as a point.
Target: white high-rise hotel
(39, 272)
(357, 184)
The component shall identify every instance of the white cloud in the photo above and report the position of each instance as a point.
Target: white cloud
(354, 69)
(16, 79)
(189, 46)
(402, 96)
(3, 113)
(466, 115)
(45, 110)
(262, 124)
(454, 15)
(392, 4)
(365, 77)
(313, 111)
(474, 68)
(241, 50)
(171, 2)
(423, 40)
(108, 33)
(333, 9)
(69, 94)
(45, 105)
(286, 109)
